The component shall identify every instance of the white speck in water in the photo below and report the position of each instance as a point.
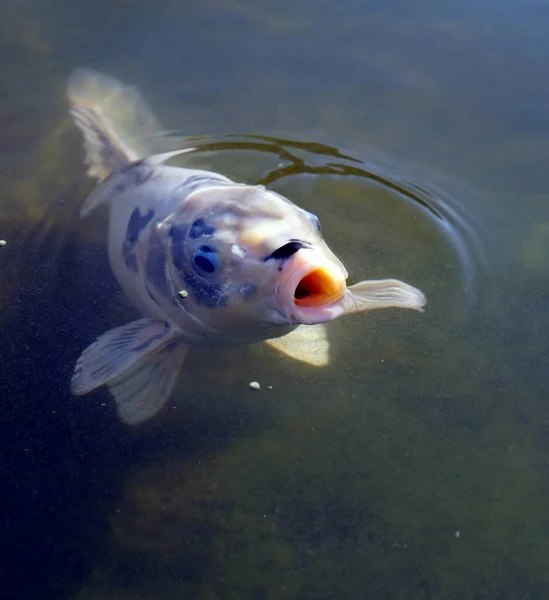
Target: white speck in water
(457, 534)
(254, 385)
(269, 387)
(3, 242)
(183, 293)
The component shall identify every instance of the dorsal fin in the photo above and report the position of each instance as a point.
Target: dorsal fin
(107, 190)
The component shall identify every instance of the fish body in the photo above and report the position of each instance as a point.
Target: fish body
(175, 230)
(206, 260)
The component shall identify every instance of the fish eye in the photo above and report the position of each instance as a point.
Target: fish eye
(205, 259)
(315, 220)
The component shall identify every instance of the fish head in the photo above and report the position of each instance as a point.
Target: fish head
(258, 256)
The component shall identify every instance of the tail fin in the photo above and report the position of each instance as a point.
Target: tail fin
(114, 119)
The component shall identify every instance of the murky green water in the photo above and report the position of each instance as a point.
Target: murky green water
(415, 465)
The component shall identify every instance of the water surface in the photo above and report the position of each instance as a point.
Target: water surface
(415, 466)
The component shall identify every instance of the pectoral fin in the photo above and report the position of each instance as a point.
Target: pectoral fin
(142, 390)
(139, 362)
(384, 293)
(306, 343)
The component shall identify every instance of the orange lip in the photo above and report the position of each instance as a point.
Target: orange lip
(318, 288)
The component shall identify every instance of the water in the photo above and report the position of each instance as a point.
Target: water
(416, 465)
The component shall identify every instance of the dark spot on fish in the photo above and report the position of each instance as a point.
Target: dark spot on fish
(178, 235)
(205, 293)
(136, 225)
(199, 228)
(155, 265)
(287, 250)
(137, 173)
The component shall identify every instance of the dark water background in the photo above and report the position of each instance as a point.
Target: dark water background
(417, 464)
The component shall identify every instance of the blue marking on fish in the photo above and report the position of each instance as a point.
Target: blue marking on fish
(178, 235)
(205, 292)
(155, 266)
(136, 225)
(199, 228)
(136, 174)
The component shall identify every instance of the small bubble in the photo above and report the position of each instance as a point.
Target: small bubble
(457, 534)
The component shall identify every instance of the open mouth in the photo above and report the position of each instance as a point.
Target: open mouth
(318, 288)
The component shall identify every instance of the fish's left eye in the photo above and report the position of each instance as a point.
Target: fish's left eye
(315, 220)
(205, 259)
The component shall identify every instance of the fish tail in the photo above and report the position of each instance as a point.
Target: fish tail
(114, 119)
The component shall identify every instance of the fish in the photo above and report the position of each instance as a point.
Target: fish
(206, 260)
